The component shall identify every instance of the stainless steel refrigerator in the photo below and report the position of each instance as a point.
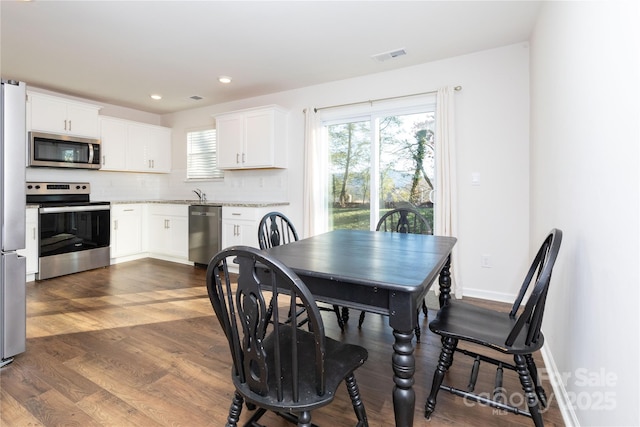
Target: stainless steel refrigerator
(13, 145)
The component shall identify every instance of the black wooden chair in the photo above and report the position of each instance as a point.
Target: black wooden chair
(401, 220)
(276, 366)
(404, 220)
(276, 229)
(516, 333)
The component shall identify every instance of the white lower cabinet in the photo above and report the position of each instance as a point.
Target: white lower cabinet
(126, 230)
(161, 230)
(169, 231)
(30, 250)
(240, 225)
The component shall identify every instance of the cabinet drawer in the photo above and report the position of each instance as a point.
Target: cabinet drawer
(241, 213)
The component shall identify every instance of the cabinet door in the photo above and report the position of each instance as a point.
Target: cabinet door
(126, 238)
(169, 230)
(230, 233)
(82, 120)
(178, 234)
(137, 155)
(230, 138)
(48, 114)
(158, 235)
(113, 137)
(258, 148)
(159, 149)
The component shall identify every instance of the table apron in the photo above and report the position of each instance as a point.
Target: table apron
(401, 307)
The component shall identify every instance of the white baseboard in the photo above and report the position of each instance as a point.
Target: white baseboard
(559, 391)
(489, 295)
(129, 258)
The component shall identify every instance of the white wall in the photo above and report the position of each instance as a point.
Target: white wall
(492, 131)
(585, 180)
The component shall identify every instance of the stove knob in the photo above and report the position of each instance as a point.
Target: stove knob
(29, 187)
(77, 187)
(37, 187)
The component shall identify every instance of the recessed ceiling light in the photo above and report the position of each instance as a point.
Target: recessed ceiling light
(224, 79)
(156, 97)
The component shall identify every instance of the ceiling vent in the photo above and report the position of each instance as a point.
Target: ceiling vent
(196, 97)
(382, 57)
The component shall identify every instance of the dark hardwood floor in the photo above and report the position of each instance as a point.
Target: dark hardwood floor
(136, 344)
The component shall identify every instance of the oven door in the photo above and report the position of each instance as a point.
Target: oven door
(65, 229)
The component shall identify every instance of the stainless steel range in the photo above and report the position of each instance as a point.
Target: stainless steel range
(74, 231)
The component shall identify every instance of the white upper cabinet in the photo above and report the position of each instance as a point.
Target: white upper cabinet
(134, 147)
(113, 139)
(62, 116)
(252, 139)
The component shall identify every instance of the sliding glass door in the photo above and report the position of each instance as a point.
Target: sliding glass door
(377, 163)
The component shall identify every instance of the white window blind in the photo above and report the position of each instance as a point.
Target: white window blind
(202, 155)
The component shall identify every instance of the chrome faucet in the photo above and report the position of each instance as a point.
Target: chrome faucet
(201, 196)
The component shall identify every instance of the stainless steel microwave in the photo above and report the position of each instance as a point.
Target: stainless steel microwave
(63, 151)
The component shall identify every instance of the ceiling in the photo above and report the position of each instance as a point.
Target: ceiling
(121, 52)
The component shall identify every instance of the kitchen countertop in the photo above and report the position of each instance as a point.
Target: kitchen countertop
(207, 203)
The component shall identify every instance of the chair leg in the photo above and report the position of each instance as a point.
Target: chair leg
(356, 400)
(234, 410)
(527, 387)
(345, 314)
(417, 329)
(336, 310)
(533, 370)
(304, 419)
(424, 307)
(361, 319)
(445, 361)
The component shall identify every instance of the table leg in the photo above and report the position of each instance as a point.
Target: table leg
(445, 283)
(404, 366)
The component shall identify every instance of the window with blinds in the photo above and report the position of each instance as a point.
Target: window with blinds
(202, 155)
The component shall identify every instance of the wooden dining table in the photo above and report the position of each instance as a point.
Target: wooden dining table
(386, 273)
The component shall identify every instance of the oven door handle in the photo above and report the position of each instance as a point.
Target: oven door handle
(62, 209)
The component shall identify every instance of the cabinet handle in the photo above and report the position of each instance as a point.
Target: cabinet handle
(237, 157)
(236, 214)
(103, 160)
(69, 125)
(115, 224)
(243, 157)
(34, 233)
(128, 210)
(65, 124)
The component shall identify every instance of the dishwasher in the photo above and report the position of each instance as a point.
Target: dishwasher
(205, 233)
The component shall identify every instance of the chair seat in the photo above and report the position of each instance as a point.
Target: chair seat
(341, 360)
(480, 325)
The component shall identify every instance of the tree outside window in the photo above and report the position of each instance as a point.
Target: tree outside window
(378, 164)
